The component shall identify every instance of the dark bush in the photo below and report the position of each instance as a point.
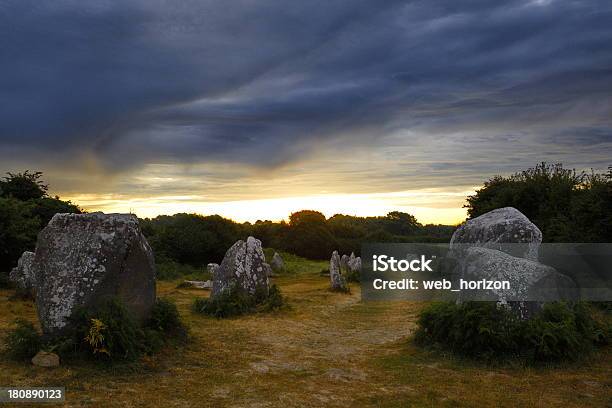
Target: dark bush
(170, 270)
(166, 319)
(23, 341)
(482, 329)
(110, 333)
(274, 301)
(353, 276)
(4, 280)
(236, 301)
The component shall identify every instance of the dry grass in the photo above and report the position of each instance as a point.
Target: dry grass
(328, 350)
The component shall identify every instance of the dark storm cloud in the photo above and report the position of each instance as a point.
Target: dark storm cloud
(135, 82)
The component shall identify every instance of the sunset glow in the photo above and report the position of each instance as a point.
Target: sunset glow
(426, 206)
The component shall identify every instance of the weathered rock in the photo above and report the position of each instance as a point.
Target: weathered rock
(23, 275)
(83, 259)
(344, 262)
(354, 264)
(242, 267)
(335, 275)
(200, 284)
(211, 268)
(277, 263)
(531, 283)
(495, 228)
(45, 359)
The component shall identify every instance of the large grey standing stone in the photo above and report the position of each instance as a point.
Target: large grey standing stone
(83, 259)
(531, 283)
(335, 275)
(23, 275)
(501, 226)
(242, 268)
(277, 263)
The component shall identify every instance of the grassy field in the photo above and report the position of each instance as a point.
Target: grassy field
(328, 349)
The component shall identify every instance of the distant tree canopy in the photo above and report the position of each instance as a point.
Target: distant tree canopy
(190, 238)
(196, 240)
(568, 206)
(25, 209)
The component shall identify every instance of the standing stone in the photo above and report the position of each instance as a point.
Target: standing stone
(344, 262)
(337, 280)
(243, 268)
(531, 283)
(354, 265)
(495, 228)
(23, 275)
(277, 263)
(269, 271)
(480, 246)
(211, 268)
(83, 259)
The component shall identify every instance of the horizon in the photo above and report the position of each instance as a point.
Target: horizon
(272, 209)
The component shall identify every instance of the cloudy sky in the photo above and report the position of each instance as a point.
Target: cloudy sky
(253, 109)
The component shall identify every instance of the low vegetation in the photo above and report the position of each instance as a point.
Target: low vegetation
(483, 330)
(107, 333)
(235, 301)
(23, 341)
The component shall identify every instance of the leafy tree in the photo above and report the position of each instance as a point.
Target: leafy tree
(190, 238)
(307, 217)
(400, 223)
(25, 209)
(23, 186)
(566, 205)
(18, 231)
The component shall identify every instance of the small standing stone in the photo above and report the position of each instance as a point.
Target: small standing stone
(337, 280)
(243, 267)
(344, 262)
(23, 274)
(277, 263)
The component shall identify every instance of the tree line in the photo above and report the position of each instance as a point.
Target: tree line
(568, 206)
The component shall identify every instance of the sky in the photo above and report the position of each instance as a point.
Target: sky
(254, 109)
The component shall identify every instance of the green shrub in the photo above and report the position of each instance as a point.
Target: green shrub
(353, 276)
(170, 270)
(119, 335)
(166, 319)
(23, 341)
(235, 301)
(110, 333)
(484, 330)
(5, 283)
(274, 301)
